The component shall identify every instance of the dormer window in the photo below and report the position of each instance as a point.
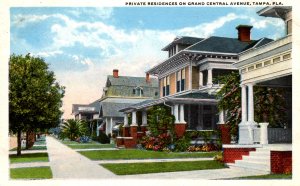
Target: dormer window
(138, 91)
(172, 50)
(180, 80)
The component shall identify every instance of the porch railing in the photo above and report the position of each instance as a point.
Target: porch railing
(279, 135)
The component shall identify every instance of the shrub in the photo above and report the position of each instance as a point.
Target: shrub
(158, 143)
(182, 144)
(73, 129)
(102, 138)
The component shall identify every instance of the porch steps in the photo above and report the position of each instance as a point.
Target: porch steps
(258, 160)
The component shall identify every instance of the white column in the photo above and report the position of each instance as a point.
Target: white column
(125, 120)
(182, 114)
(144, 118)
(106, 126)
(244, 104)
(221, 117)
(172, 110)
(111, 125)
(200, 79)
(250, 104)
(97, 129)
(209, 77)
(176, 113)
(263, 133)
(79, 117)
(134, 121)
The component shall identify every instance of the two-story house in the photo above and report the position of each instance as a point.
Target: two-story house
(120, 92)
(86, 111)
(188, 78)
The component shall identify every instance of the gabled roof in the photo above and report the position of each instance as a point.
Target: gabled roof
(184, 40)
(220, 45)
(86, 108)
(132, 81)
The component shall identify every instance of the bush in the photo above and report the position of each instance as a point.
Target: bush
(182, 144)
(102, 138)
(73, 129)
(159, 143)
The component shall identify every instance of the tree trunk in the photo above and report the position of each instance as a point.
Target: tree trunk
(27, 140)
(19, 143)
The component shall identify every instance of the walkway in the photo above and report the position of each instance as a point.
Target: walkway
(68, 164)
(199, 174)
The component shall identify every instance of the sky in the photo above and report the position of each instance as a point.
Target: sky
(83, 45)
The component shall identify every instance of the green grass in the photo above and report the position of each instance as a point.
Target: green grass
(32, 157)
(267, 176)
(32, 148)
(156, 167)
(142, 154)
(91, 146)
(68, 142)
(41, 142)
(31, 173)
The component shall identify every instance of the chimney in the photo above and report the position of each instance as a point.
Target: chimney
(116, 73)
(147, 77)
(244, 33)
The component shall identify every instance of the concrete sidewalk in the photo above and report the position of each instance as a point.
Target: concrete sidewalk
(68, 164)
(29, 164)
(213, 174)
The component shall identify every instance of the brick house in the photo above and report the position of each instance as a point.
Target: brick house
(188, 79)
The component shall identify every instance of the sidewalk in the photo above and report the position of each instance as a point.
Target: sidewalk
(68, 164)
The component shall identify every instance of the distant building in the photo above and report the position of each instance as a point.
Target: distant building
(120, 92)
(86, 112)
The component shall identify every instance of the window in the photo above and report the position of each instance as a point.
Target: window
(166, 86)
(180, 83)
(138, 91)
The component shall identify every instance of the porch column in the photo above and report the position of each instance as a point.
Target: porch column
(144, 118)
(134, 121)
(250, 104)
(97, 131)
(221, 117)
(180, 126)
(144, 121)
(209, 77)
(244, 104)
(106, 126)
(182, 114)
(172, 110)
(125, 126)
(176, 113)
(111, 125)
(200, 79)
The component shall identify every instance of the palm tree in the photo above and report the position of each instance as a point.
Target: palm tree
(73, 129)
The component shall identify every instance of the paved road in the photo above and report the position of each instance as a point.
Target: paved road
(68, 164)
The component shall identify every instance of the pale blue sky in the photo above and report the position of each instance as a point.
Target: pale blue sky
(84, 45)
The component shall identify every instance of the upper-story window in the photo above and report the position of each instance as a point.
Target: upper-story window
(166, 86)
(172, 51)
(180, 80)
(138, 91)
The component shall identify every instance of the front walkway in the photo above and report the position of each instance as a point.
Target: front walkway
(68, 164)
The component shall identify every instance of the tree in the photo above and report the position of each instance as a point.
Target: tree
(35, 97)
(270, 105)
(73, 129)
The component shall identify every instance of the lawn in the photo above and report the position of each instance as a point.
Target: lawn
(143, 154)
(156, 167)
(32, 148)
(31, 173)
(68, 142)
(32, 157)
(90, 146)
(267, 176)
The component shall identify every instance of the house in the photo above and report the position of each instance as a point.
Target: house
(86, 111)
(188, 80)
(120, 92)
(269, 65)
